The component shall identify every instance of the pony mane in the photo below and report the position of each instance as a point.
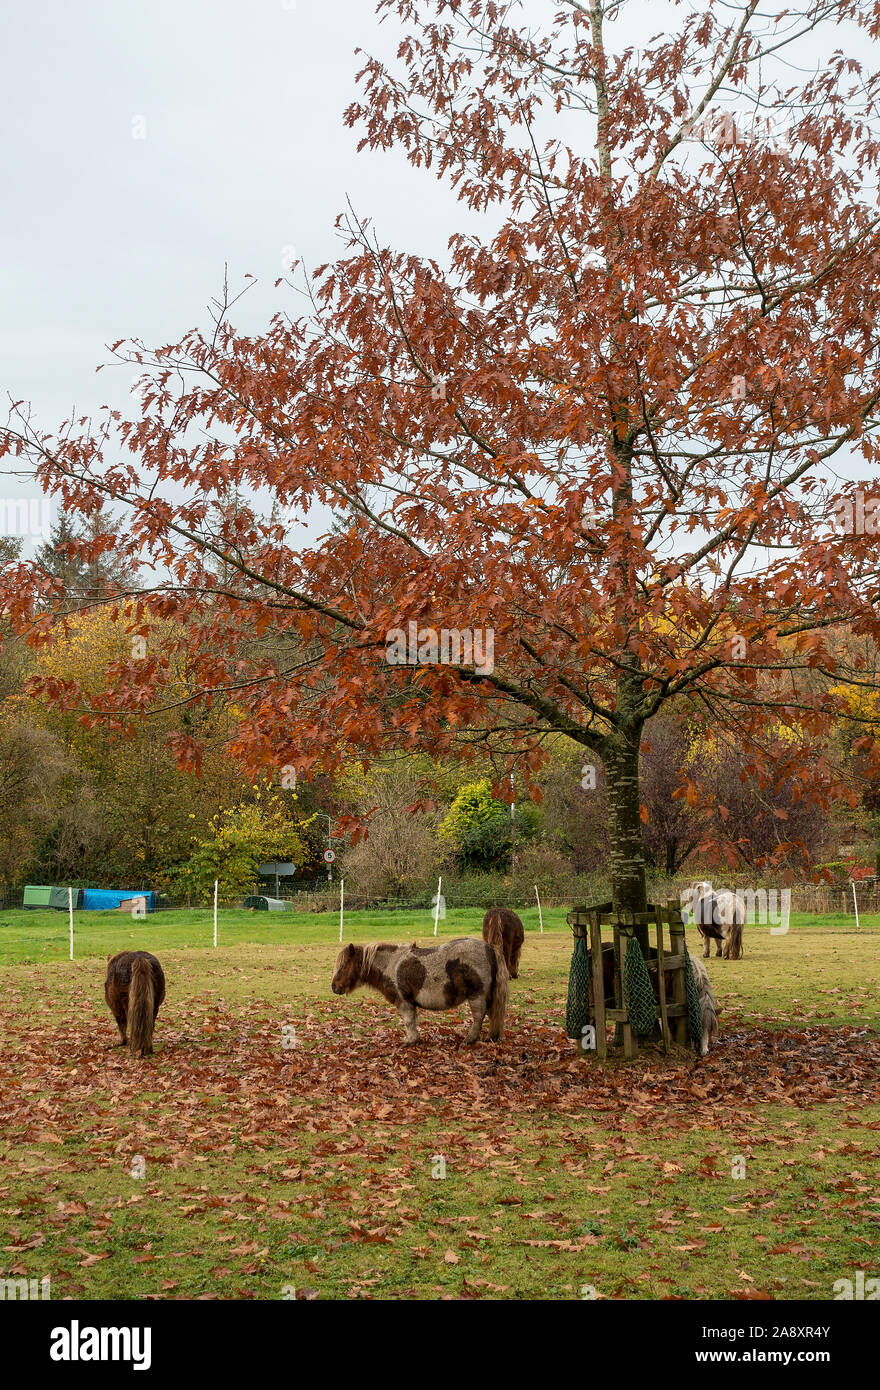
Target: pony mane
(703, 981)
(368, 957)
(369, 953)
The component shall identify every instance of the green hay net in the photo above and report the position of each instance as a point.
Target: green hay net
(577, 1012)
(638, 992)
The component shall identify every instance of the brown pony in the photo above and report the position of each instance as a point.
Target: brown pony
(134, 989)
(512, 934)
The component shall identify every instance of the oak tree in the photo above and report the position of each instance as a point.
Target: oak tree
(606, 432)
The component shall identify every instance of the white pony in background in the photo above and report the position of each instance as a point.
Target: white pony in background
(719, 916)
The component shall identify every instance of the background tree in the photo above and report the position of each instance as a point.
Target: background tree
(82, 557)
(32, 768)
(124, 811)
(575, 806)
(238, 840)
(401, 854)
(10, 549)
(603, 428)
(479, 829)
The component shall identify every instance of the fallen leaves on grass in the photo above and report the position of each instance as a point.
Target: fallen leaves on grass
(246, 1090)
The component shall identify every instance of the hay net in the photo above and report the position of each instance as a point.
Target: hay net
(638, 992)
(577, 1010)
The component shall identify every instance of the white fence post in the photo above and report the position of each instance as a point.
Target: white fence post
(540, 916)
(341, 905)
(437, 908)
(215, 910)
(70, 915)
(856, 904)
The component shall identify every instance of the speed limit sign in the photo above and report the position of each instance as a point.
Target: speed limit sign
(329, 856)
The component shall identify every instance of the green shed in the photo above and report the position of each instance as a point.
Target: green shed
(37, 897)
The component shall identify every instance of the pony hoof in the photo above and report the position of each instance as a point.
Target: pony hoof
(411, 1042)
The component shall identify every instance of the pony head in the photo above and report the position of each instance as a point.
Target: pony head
(347, 971)
(691, 900)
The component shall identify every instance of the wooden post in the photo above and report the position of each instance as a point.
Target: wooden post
(630, 1046)
(679, 989)
(619, 997)
(598, 986)
(661, 981)
(617, 976)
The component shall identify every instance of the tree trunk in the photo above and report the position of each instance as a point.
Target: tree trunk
(671, 857)
(628, 885)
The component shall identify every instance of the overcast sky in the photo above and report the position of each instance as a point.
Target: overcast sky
(244, 152)
(106, 234)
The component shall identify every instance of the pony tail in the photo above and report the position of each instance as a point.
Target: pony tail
(141, 1007)
(494, 935)
(735, 939)
(493, 930)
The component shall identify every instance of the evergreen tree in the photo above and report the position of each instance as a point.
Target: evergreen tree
(78, 555)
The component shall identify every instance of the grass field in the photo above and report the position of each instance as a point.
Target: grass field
(291, 1145)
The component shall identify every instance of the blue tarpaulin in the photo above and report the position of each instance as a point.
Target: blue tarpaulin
(106, 899)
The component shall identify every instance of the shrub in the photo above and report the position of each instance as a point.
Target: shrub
(239, 840)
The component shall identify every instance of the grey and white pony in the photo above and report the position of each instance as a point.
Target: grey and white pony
(708, 1006)
(463, 971)
(719, 916)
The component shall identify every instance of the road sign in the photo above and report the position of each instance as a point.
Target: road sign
(329, 856)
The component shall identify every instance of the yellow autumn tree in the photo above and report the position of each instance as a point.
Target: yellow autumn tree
(145, 810)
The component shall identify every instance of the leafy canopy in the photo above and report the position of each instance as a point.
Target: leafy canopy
(605, 427)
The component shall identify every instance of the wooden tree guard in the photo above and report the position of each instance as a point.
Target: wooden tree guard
(588, 922)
